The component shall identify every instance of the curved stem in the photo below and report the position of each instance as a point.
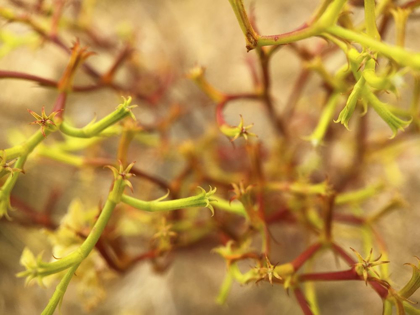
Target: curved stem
(87, 246)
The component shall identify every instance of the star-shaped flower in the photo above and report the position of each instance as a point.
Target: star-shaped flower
(164, 235)
(365, 265)
(44, 120)
(240, 192)
(127, 107)
(238, 131)
(268, 271)
(122, 173)
(33, 267)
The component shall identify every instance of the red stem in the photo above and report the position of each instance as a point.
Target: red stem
(329, 215)
(219, 108)
(47, 82)
(331, 276)
(33, 217)
(281, 215)
(348, 218)
(300, 297)
(308, 253)
(350, 274)
(411, 4)
(296, 93)
(60, 104)
(28, 77)
(341, 252)
(268, 101)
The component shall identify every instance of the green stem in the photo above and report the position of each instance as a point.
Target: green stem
(61, 156)
(370, 19)
(410, 309)
(326, 117)
(375, 81)
(60, 291)
(320, 11)
(233, 207)
(400, 55)
(387, 307)
(415, 101)
(76, 258)
(200, 200)
(251, 35)
(358, 196)
(90, 130)
(25, 150)
(224, 290)
(14, 152)
(94, 129)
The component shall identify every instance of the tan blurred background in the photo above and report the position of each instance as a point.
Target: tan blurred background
(176, 35)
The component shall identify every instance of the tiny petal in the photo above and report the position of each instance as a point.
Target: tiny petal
(365, 275)
(36, 116)
(128, 183)
(129, 167)
(113, 169)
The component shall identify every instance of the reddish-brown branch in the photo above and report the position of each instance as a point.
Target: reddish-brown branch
(342, 253)
(297, 90)
(55, 39)
(348, 218)
(281, 215)
(328, 215)
(52, 201)
(411, 4)
(353, 172)
(60, 104)
(303, 53)
(253, 71)
(277, 121)
(307, 254)
(31, 216)
(147, 255)
(122, 56)
(219, 108)
(58, 7)
(350, 274)
(103, 251)
(303, 303)
(47, 82)
(27, 77)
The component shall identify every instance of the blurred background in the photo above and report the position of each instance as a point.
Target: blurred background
(170, 38)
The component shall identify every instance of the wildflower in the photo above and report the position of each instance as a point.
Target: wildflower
(268, 271)
(365, 265)
(44, 120)
(238, 131)
(122, 173)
